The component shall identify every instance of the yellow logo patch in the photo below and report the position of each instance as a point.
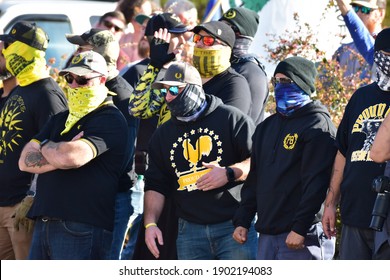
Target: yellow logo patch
(230, 14)
(290, 141)
(76, 59)
(178, 76)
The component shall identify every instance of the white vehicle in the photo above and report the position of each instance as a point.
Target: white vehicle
(57, 18)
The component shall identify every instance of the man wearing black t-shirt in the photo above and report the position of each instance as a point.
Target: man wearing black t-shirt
(24, 113)
(79, 155)
(353, 168)
(104, 43)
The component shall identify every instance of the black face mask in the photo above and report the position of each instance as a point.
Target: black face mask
(189, 102)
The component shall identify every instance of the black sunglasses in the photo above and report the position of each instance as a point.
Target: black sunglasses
(364, 10)
(275, 81)
(111, 25)
(79, 79)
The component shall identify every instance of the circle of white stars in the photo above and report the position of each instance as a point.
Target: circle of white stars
(204, 131)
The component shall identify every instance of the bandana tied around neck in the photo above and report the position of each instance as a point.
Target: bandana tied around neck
(82, 101)
(211, 62)
(382, 62)
(289, 98)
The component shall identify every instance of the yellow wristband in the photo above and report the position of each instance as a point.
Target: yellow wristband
(150, 225)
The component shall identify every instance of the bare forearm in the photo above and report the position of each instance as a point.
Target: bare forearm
(333, 196)
(67, 155)
(31, 160)
(153, 203)
(241, 169)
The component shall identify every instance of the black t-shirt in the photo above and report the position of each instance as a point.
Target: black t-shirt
(232, 88)
(123, 89)
(254, 73)
(363, 115)
(85, 194)
(25, 112)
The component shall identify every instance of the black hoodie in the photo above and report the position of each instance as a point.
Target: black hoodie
(177, 149)
(291, 164)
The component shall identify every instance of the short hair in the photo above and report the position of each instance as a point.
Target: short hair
(381, 4)
(178, 6)
(115, 14)
(129, 8)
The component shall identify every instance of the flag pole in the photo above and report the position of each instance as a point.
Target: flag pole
(213, 11)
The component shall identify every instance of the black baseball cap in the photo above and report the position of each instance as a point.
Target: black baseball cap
(179, 74)
(219, 30)
(28, 33)
(165, 20)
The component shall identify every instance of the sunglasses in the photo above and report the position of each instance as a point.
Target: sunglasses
(207, 40)
(275, 81)
(173, 90)
(364, 10)
(110, 25)
(79, 79)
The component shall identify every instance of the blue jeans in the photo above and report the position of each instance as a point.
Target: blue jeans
(213, 242)
(128, 250)
(67, 240)
(123, 211)
(317, 246)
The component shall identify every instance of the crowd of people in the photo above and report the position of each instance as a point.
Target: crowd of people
(157, 145)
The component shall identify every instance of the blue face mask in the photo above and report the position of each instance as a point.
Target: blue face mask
(289, 98)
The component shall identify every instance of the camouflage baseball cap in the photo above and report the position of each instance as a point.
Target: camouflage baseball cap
(101, 41)
(28, 33)
(85, 63)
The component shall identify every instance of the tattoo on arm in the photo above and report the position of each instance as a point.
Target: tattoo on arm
(35, 159)
(331, 199)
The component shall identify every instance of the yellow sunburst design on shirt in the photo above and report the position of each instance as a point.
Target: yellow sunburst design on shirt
(10, 124)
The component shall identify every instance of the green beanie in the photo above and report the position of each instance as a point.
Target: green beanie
(302, 71)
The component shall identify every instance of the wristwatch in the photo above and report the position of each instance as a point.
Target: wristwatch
(43, 143)
(230, 174)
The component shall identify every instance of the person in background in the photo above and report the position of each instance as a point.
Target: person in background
(364, 21)
(291, 164)
(188, 14)
(104, 43)
(27, 108)
(244, 23)
(133, 32)
(353, 168)
(195, 135)
(142, 75)
(80, 156)
(115, 22)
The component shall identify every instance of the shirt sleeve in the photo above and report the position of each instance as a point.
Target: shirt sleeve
(361, 36)
(248, 205)
(146, 102)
